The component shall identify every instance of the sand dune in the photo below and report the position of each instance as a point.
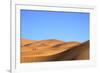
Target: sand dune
(26, 42)
(80, 52)
(84, 51)
(50, 50)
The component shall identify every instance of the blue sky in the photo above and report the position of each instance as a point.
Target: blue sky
(66, 26)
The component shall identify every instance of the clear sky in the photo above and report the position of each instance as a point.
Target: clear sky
(66, 26)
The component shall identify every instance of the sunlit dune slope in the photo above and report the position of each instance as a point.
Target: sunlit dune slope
(26, 42)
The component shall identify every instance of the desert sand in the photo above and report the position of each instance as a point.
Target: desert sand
(53, 50)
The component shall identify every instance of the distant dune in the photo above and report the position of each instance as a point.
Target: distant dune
(52, 50)
(26, 41)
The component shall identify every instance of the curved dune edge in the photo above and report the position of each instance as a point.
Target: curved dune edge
(50, 50)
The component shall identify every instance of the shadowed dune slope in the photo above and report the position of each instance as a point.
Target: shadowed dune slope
(80, 52)
(84, 53)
